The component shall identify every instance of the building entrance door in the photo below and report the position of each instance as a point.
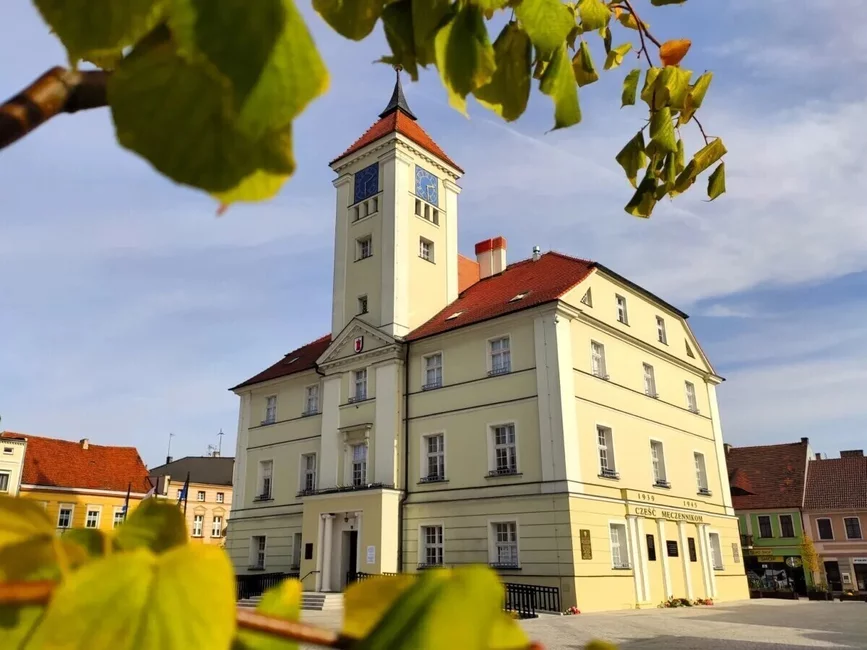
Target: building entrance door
(350, 556)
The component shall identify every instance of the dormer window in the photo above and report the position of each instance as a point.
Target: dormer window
(455, 315)
(520, 296)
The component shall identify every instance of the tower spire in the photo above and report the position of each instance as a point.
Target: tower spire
(398, 100)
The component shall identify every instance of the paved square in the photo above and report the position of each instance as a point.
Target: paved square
(751, 625)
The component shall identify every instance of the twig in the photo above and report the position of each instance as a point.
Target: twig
(701, 128)
(57, 91)
(639, 27)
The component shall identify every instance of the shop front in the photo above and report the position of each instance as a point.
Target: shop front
(774, 569)
(845, 574)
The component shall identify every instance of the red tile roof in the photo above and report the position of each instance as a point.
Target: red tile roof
(468, 273)
(398, 122)
(836, 484)
(64, 463)
(774, 475)
(304, 358)
(544, 280)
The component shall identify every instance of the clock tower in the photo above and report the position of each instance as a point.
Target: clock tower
(396, 230)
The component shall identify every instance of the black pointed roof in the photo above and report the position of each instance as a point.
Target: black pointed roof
(398, 100)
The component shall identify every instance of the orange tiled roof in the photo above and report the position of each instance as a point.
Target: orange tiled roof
(773, 474)
(51, 462)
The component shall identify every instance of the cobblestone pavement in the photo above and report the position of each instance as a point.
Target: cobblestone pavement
(751, 625)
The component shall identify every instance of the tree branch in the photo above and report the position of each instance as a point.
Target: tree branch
(57, 91)
(701, 128)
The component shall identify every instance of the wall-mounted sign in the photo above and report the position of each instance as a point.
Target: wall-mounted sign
(859, 560)
(669, 514)
(371, 555)
(793, 562)
(586, 546)
(359, 344)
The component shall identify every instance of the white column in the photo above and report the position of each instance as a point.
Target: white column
(359, 550)
(327, 560)
(240, 468)
(330, 439)
(320, 535)
(663, 555)
(722, 471)
(385, 433)
(707, 560)
(452, 190)
(343, 185)
(706, 568)
(645, 571)
(635, 557)
(684, 554)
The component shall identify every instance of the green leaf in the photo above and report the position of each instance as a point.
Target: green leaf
(93, 541)
(509, 89)
(675, 80)
(558, 82)
(29, 548)
(283, 602)
(662, 136)
(489, 5)
(582, 66)
(649, 85)
(548, 22)
(594, 14)
(100, 29)
(679, 162)
(427, 17)
(644, 199)
(626, 19)
(184, 598)
(465, 56)
(615, 56)
(716, 182)
(398, 26)
(23, 521)
(177, 115)
(695, 97)
(155, 525)
(17, 623)
(264, 50)
(669, 171)
(366, 602)
(630, 88)
(632, 157)
(706, 156)
(353, 19)
(606, 40)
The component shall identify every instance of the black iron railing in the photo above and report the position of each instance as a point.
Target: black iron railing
(747, 541)
(255, 584)
(526, 600)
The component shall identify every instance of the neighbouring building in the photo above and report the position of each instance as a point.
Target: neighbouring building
(767, 486)
(835, 506)
(209, 499)
(13, 449)
(79, 484)
(548, 417)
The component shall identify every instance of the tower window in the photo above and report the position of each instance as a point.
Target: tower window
(362, 304)
(426, 249)
(418, 210)
(356, 213)
(427, 212)
(364, 247)
(436, 216)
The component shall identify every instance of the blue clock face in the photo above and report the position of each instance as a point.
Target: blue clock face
(366, 182)
(427, 186)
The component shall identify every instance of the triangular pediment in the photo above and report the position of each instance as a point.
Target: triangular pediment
(357, 340)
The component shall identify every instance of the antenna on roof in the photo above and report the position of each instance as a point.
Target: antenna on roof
(169, 452)
(220, 442)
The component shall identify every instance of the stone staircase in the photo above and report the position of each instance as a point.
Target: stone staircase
(310, 600)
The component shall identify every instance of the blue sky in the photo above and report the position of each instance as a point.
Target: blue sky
(129, 307)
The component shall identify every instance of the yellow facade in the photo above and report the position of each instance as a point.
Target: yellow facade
(207, 510)
(101, 509)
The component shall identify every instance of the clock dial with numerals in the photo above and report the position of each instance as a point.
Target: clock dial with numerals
(366, 182)
(427, 186)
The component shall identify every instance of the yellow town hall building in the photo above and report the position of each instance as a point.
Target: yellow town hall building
(548, 417)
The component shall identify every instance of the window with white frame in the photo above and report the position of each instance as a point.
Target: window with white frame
(716, 551)
(505, 450)
(619, 546)
(311, 399)
(701, 473)
(432, 546)
(359, 392)
(605, 445)
(657, 457)
(649, 380)
(364, 248)
(362, 304)
(217, 526)
(765, 530)
(198, 525)
(434, 458)
(501, 356)
(118, 517)
(433, 371)
(8, 451)
(622, 315)
(200, 496)
(853, 527)
(257, 552)
(426, 249)
(308, 472)
(64, 516)
(597, 356)
(270, 409)
(660, 330)
(221, 497)
(691, 403)
(91, 519)
(505, 543)
(826, 530)
(266, 469)
(787, 526)
(359, 464)
(4, 481)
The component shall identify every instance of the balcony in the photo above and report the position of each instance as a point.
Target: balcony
(747, 541)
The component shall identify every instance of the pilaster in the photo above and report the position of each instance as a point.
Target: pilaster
(452, 190)
(684, 555)
(330, 442)
(386, 423)
(239, 472)
(343, 185)
(663, 556)
(635, 557)
(394, 294)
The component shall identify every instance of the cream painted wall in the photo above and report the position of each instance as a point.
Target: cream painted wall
(12, 463)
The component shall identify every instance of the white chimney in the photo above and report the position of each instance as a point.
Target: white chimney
(491, 256)
(85, 443)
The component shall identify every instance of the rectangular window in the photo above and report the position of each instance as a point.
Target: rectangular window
(198, 525)
(200, 496)
(359, 465)
(701, 473)
(118, 517)
(826, 530)
(853, 527)
(651, 548)
(436, 216)
(660, 330)
(311, 399)
(308, 472)
(217, 526)
(622, 316)
(765, 529)
(8, 451)
(657, 457)
(374, 204)
(4, 481)
(270, 409)
(220, 497)
(649, 380)
(180, 494)
(432, 546)
(364, 248)
(362, 304)
(427, 212)
(619, 546)
(356, 213)
(92, 518)
(435, 460)
(266, 468)
(671, 548)
(64, 517)
(716, 551)
(505, 452)
(418, 207)
(501, 356)
(597, 355)
(690, 542)
(433, 371)
(605, 444)
(426, 249)
(691, 403)
(787, 526)
(360, 385)
(506, 543)
(257, 552)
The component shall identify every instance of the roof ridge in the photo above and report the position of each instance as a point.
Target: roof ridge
(314, 342)
(71, 442)
(777, 444)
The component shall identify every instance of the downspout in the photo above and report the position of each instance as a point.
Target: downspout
(405, 495)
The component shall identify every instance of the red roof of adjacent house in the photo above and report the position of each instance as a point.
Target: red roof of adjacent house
(304, 358)
(51, 462)
(398, 122)
(836, 484)
(774, 474)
